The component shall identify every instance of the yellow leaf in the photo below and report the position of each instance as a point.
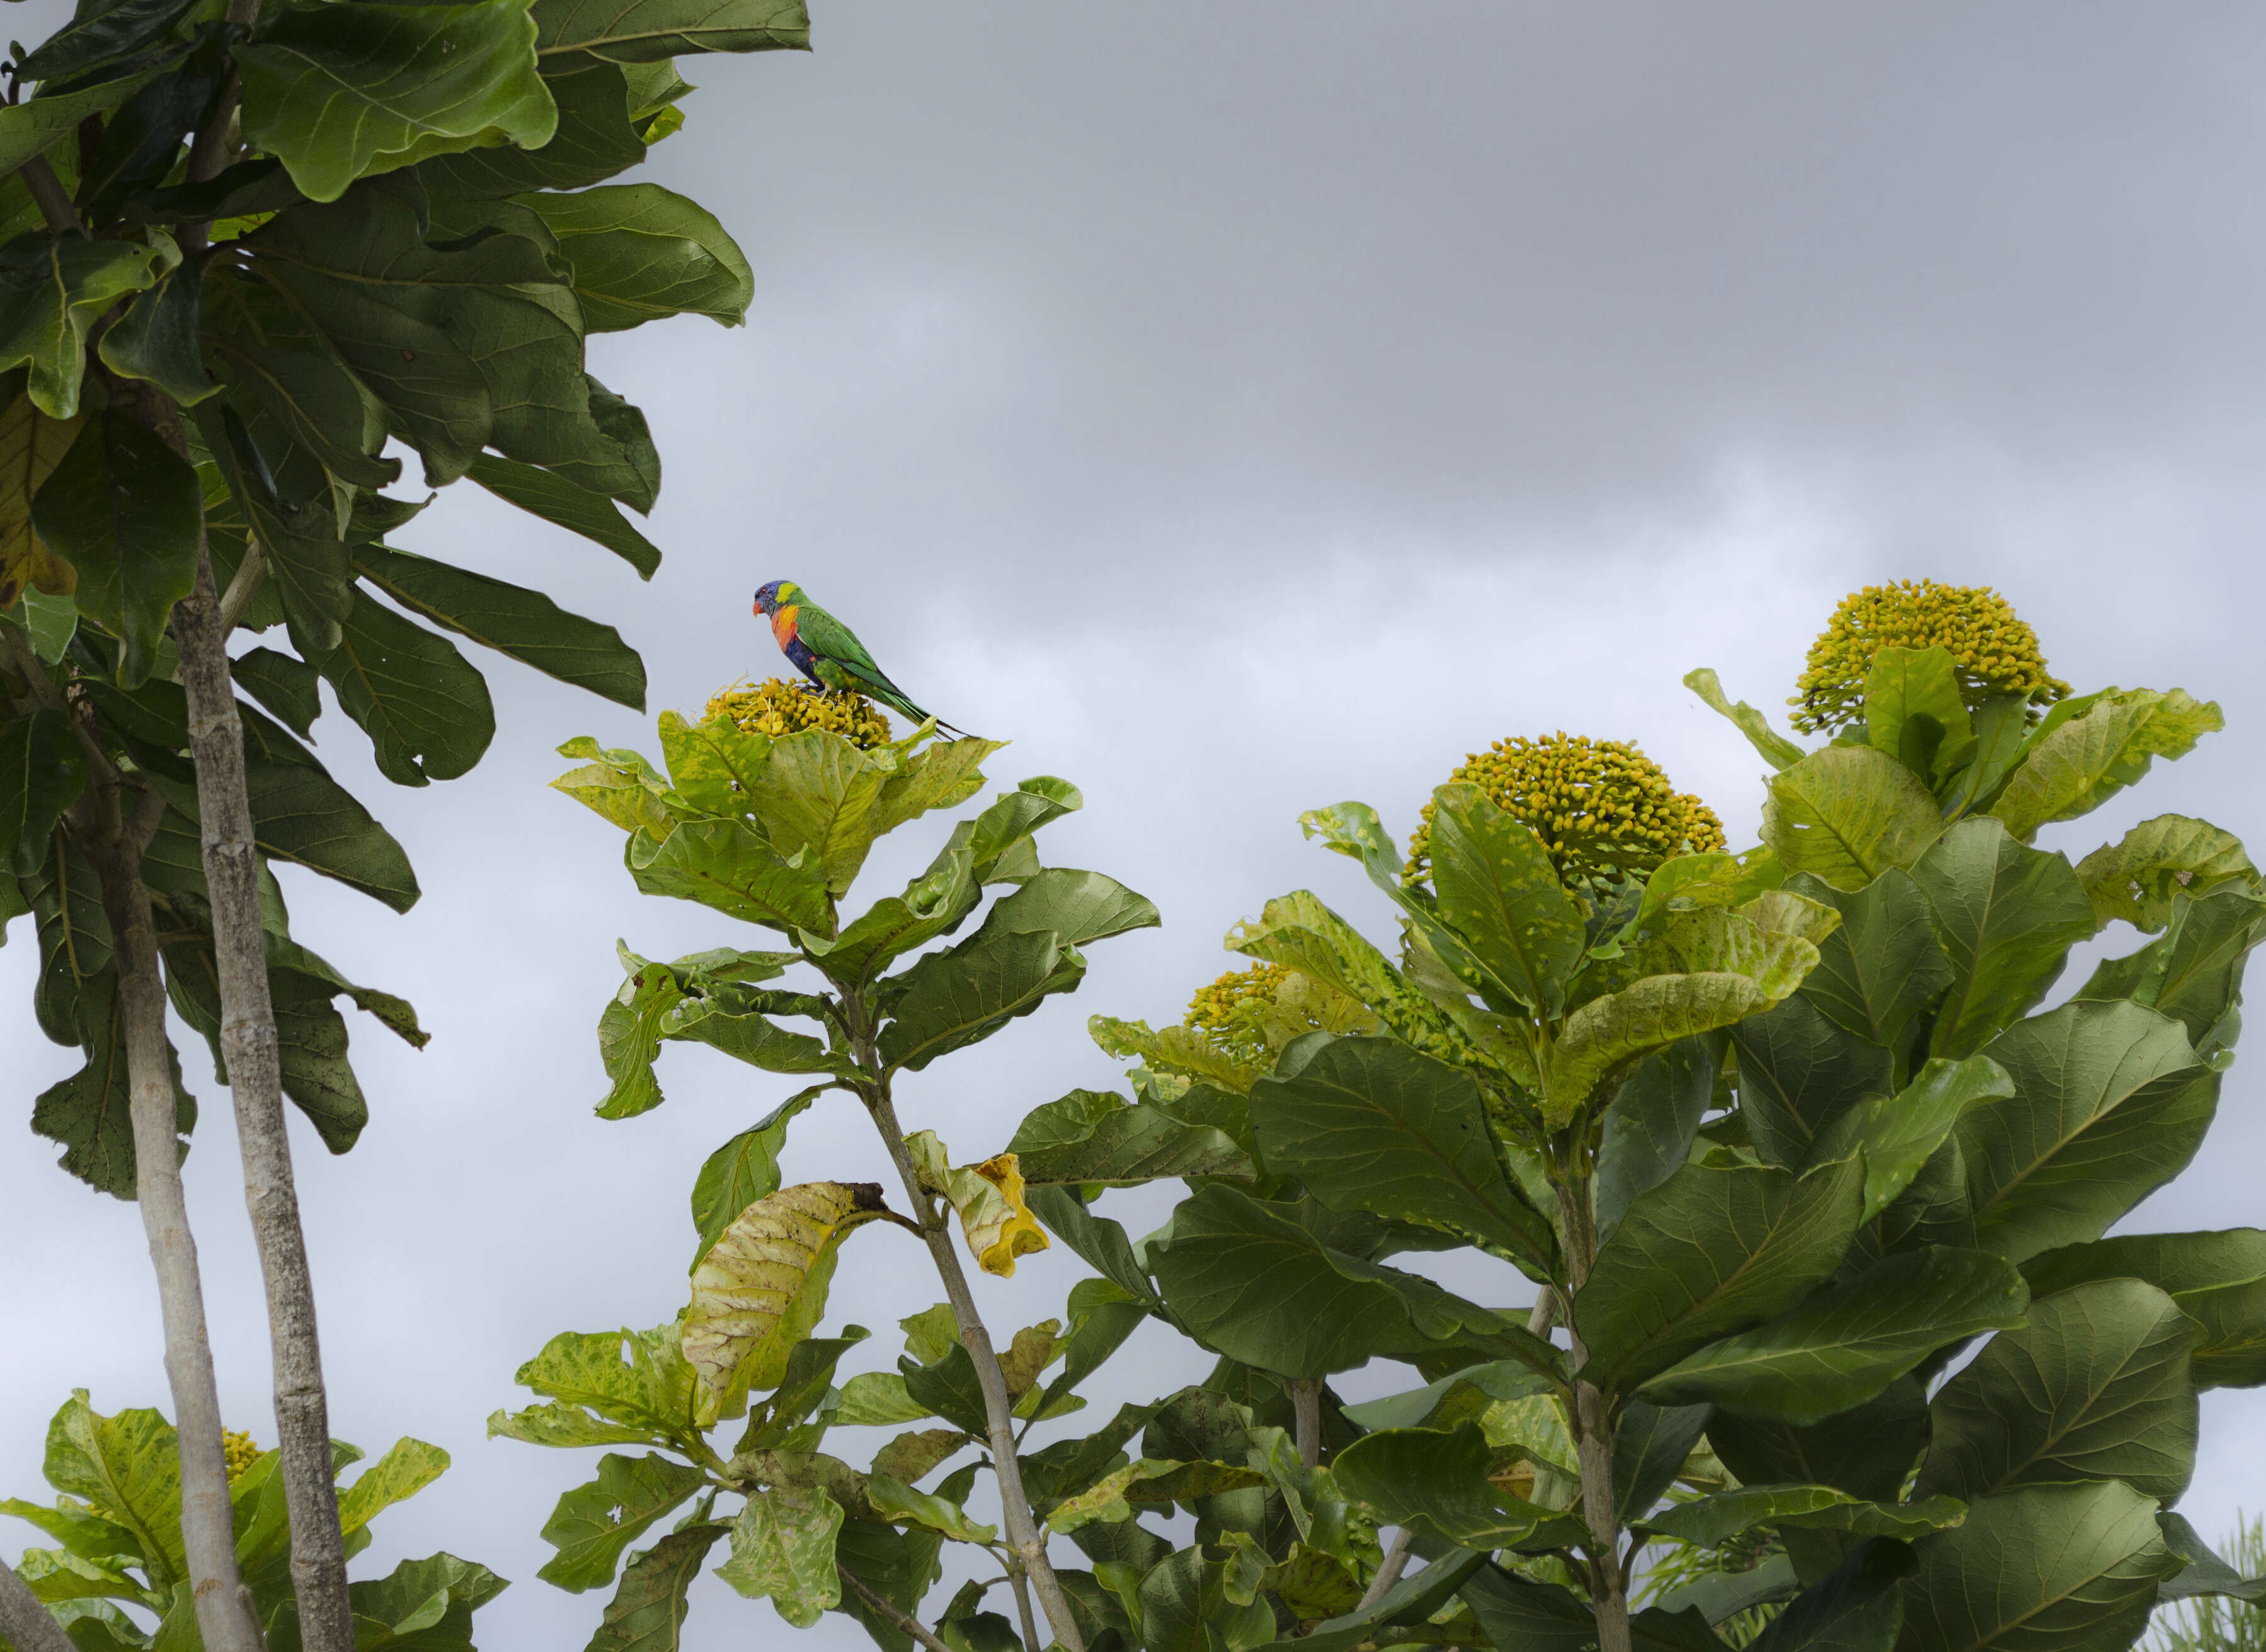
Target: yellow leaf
(31, 445)
(762, 1286)
(989, 1200)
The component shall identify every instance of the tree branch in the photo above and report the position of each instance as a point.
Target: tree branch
(1396, 1561)
(26, 1620)
(242, 586)
(55, 203)
(881, 1605)
(1307, 1412)
(1023, 1534)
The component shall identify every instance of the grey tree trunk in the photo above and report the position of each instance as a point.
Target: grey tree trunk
(1023, 1534)
(25, 1621)
(115, 845)
(208, 1529)
(248, 1040)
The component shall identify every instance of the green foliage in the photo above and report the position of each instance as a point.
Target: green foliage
(211, 361)
(1780, 1134)
(120, 1568)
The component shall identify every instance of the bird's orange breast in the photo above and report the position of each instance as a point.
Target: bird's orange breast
(783, 624)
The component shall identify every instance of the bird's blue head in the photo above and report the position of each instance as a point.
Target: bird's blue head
(770, 598)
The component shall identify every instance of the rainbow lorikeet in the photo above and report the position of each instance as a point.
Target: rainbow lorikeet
(828, 652)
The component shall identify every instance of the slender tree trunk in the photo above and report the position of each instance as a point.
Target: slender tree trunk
(208, 1528)
(1306, 1412)
(24, 1620)
(1594, 1438)
(1019, 1586)
(248, 1040)
(1023, 1534)
(114, 846)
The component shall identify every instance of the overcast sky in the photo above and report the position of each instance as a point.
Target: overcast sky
(1244, 410)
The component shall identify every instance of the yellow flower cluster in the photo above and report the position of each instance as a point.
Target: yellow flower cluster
(242, 1452)
(776, 708)
(1601, 807)
(1227, 1012)
(1995, 652)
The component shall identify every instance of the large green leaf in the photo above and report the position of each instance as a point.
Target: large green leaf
(647, 1610)
(2109, 1104)
(492, 306)
(1800, 1076)
(595, 140)
(74, 937)
(2192, 972)
(2218, 1280)
(1090, 1137)
(52, 291)
(1882, 967)
(125, 509)
(1436, 1482)
(422, 1606)
(740, 1172)
(301, 815)
(649, 31)
(31, 446)
(90, 1113)
(1297, 932)
(1100, 1242)
(2136, 877)
(42, 772)
(1185, 1608)
(1650, 1127)
(1369, 1124)
(2006, 916)
(955, 999)
(339, 93)
(1651, 1444)
(1607, 1034)
(2047, 1569)
(641, 252)
(762, 1286)
(594, 1524)
(637, 1383)
(1901, 1133)
(1850, 1341)
(158, 339)
(1499, 893)
(1249, 1280)
(425, 708)
(783, 1548)
(1857, 1608)
(1709, 1252)
(127, 1466)
(564, 504)
(731, 866)
(2095, 1387)
(1774, 747)
(2072, 767)
(1079, 907)
(511, 619)
(1869, 1451)
(1848, 813)
(1714, 1521)
(1913, 712)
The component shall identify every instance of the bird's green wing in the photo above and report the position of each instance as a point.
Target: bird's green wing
(825, 634)
(830, 639)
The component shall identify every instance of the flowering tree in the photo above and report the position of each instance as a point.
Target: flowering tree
(1771, 1139)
